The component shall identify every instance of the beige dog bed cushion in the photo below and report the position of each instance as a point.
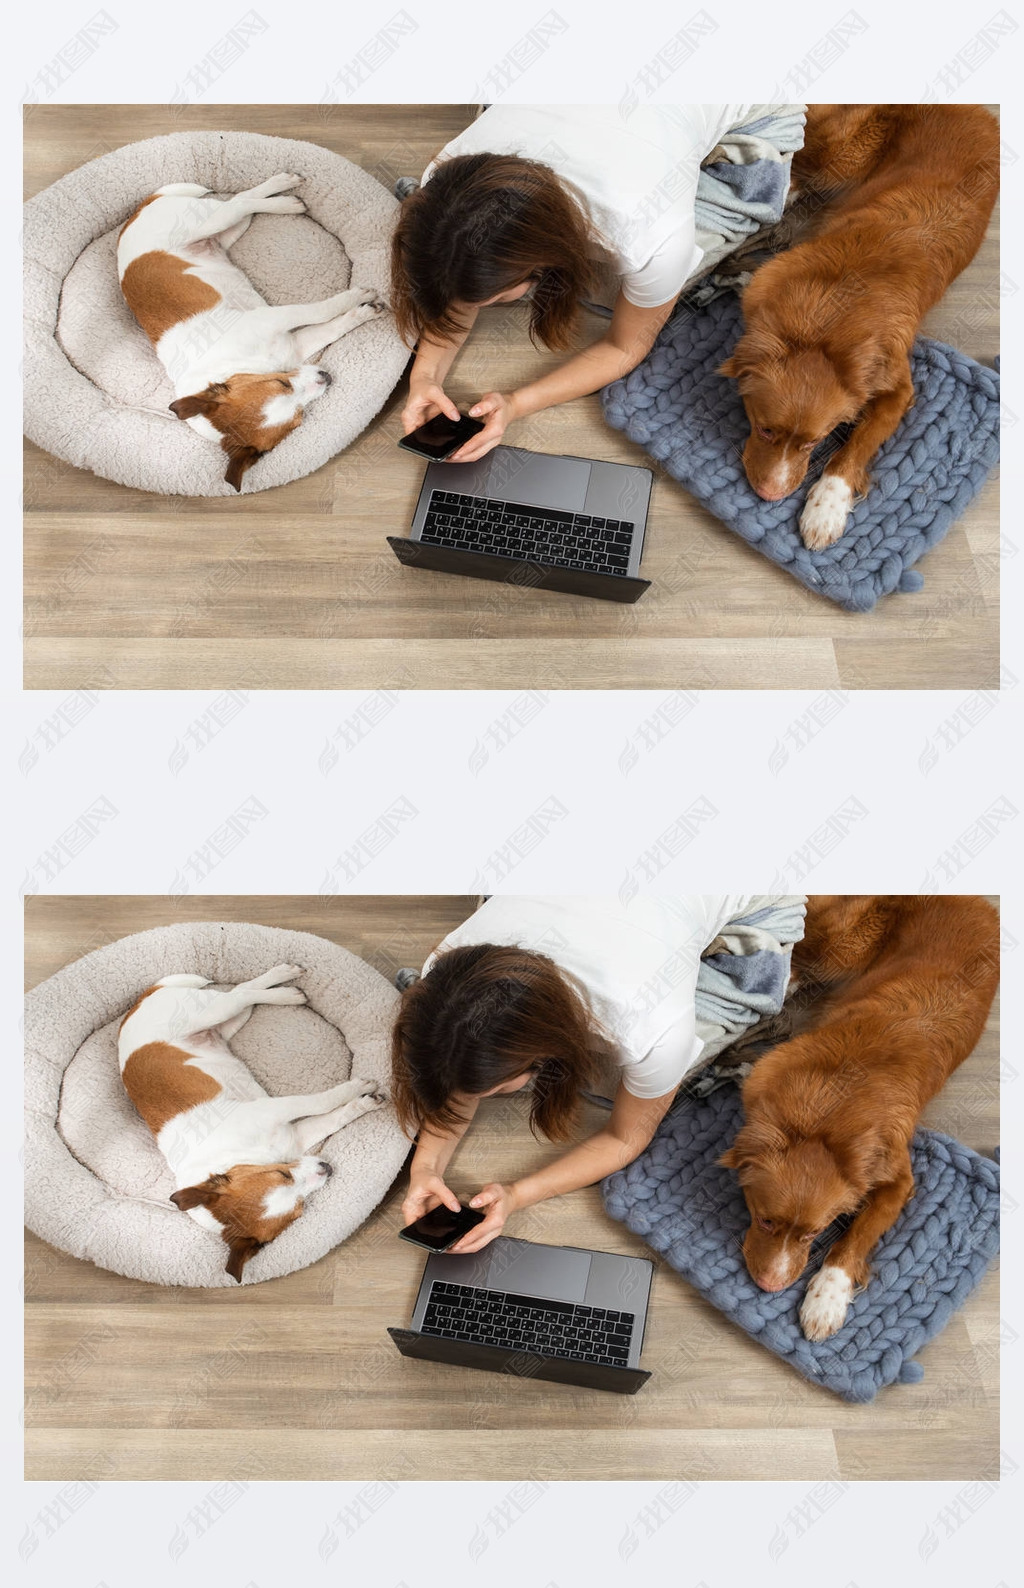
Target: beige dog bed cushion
(96, 1184)
(96, 394)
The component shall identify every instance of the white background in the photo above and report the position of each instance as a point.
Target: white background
(501, 791)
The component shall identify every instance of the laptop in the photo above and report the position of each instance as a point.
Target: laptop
(529, 518)
(545, 1312)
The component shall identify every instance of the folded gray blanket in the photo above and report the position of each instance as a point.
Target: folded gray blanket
(744, 181)
(744, 972)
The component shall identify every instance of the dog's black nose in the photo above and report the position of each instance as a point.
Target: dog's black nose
(325, 377)
(328, 1168)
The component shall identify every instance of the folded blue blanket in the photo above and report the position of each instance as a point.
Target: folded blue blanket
(743, 183)
(744, 973)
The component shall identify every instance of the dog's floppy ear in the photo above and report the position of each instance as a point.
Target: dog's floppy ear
(195, 1196)
(242, 458)
(869, 366)
(753, 1145)
(870, 1156)
(741, 1156)
(199, 402)
(756, 352)
(242, 1248)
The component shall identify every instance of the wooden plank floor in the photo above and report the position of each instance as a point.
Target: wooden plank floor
(295, 588)
(297, 1378)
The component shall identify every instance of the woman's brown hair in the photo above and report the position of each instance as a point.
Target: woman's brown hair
(485, 223)
(484, 1015)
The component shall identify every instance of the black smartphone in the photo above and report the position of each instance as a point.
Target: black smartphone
(441, 1228)
(440, 436)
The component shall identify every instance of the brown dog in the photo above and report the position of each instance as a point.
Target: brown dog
(903, 194)
(892, 994)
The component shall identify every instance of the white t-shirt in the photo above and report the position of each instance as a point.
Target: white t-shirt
(637, 962)
(637, 170)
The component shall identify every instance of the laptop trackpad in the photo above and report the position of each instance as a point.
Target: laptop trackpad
(555, 1273)
(538, 479)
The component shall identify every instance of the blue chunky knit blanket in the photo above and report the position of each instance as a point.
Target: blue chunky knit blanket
(692, 422)
(692, 1211)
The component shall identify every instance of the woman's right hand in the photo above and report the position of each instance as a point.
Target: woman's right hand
(426, 400)
(427, 1191)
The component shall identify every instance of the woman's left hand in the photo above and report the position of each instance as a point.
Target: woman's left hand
(497, 1201)
(496, 410)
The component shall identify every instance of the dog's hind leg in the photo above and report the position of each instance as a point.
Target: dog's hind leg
(228, 1029)
(205, 216)
(221, 1009)
(230, 237)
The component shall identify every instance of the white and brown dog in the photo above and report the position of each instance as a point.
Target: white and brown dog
(240, 1158)
(238, 365)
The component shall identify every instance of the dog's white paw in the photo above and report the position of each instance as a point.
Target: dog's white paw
(348, 301)
(372, 296)
(287, 204)
(370, 1089)
(280, 973)
(278, 183)
(364, 1105)
(284, 995)
(825, 512)
(825, 1303)
(360, 316)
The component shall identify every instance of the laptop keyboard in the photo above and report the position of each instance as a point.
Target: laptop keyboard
(528, 1323)
(532, 534)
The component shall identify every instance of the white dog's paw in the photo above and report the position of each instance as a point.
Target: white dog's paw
(278, 183)
(361, 1106)
(366, 1105)
(284, 995)
(825, 512)
(370, 1089)
(360, 316)
(347, 301)
(280, 973)
(287, 204)
(825, 1303)
(372, 296)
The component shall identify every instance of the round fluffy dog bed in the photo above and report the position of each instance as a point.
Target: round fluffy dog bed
(96, 1184)
(95, 393)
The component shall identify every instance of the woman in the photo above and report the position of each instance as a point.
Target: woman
(531, 199)
(539, 990)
